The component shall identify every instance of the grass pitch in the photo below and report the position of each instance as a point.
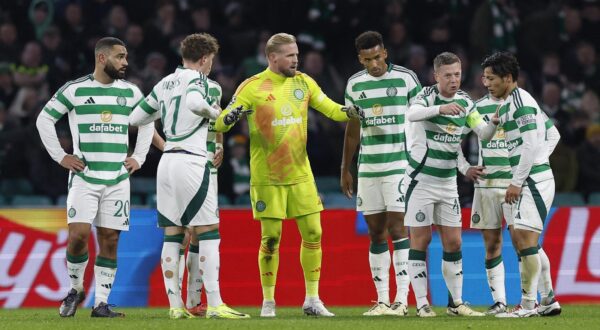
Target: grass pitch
(574, 317)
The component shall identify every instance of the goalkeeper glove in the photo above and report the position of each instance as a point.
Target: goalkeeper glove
(234, 115)
(354, 111)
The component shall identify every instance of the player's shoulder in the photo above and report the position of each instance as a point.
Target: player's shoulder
(482, 100)
(79, 82)
(521, 98)
(428, 91)
(250, 83)
(359, 75)
(465, 96)
(400, 70)
(213, 83)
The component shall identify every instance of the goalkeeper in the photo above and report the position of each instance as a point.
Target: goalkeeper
(282, 185)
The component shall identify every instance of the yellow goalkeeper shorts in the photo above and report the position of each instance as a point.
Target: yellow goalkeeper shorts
(285, 201)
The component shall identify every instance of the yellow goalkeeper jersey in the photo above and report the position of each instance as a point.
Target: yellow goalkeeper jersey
(278, 125)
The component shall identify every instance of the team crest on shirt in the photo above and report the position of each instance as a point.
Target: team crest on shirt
(299, 94)
(72, 212)
(475, 218)
(286, 109)
(106, 116)
(499, 133)
(377, 109)
(260, 206)
(420, 216)
(358, 201)
(451, 128)
(391, 91)
(122, 101)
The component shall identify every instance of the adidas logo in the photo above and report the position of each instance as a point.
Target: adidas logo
(459, 273)
(270, 98)
(400, 199)
(492, 288)
(422, 274)
(170, 292)
(106, 286)
(126, 222)
(90, 101)
(74, 276)
(518, 215)
(362, 96)
(376, 279)
(316, 270)
(403, 272)
(267, 274)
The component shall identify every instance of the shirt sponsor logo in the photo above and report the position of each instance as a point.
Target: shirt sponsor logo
(286, 109)
(106, 116)
(106, 128)
(451, 128)
(380, 121)
(287, 121)
(496, 144)
(512, 144)
(377, 109)
(525, 120)
(441, 137)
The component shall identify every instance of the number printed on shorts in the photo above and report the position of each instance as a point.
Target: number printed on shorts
(122, 209)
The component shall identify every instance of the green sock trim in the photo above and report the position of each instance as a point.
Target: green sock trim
(452, 256)
(401, 244)
(378, 248)
(213, 234)
(181, 252)
(491, 263)
(416, 255)
(105, 262)
(528, 251)
(174, 238)
(77, 259)
(194, 248)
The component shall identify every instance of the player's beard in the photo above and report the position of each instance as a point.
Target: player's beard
(288, 72)
(112, 72)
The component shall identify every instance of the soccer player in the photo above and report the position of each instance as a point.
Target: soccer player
(282, 183)
(489, 191)
(383, 90)
(437, 117)
(214, 147)
(531, 189)
(185, 197)
(98, 106)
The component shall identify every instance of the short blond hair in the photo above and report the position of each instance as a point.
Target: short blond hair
(278, 40)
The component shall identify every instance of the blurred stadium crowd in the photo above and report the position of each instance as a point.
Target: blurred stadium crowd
(44, 43)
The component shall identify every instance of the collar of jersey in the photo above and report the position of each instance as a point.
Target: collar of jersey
(274, 76)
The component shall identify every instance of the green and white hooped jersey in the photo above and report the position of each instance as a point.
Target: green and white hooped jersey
(385, 100)
(182, 128)
(99, 123)
(518, 114)
(433, 143)
(493, 154)
(215, 93)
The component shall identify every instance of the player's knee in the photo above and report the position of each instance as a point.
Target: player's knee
(377, 236)
(270, 243)
(312, 235)
(78, 241)
(493, 249)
